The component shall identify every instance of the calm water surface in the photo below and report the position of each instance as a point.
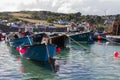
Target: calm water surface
(73, 63)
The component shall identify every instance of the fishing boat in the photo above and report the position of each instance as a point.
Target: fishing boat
(114, 39)
(115, 34)
(81, 37)
(61, 40)
(57, 39)
(15, 39)
(20, 41)
(39, 52)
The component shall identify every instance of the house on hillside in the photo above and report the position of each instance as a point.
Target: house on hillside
(62, 22)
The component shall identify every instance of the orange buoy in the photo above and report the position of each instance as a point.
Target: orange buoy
(116, 54)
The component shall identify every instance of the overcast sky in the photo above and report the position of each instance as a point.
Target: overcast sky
(86, 7)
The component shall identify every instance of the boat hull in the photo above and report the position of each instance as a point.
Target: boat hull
(113, 39)
(20, 41)
(82, 37)
(40, 52)
(60, 40)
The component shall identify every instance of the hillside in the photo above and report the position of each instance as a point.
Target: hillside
(29, 17)
(47, 17)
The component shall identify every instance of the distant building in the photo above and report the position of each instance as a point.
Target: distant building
(62, 22)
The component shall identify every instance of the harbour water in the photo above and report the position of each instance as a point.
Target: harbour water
(73, 63)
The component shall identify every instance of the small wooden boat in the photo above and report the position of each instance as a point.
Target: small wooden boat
(20, 41)
(115, 35)
(81, 37)
(57, 39)
(114, 39)
(15, 39)
(39, 52)
(60, 40)
(27, 40)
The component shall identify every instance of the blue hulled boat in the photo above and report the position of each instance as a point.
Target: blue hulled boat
(20, 41)
(26, 40)
(39, 52)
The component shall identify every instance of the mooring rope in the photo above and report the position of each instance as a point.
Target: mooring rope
(82, 46)
(77, 43)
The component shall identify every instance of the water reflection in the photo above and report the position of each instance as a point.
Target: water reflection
(33, 69)
(9, 68)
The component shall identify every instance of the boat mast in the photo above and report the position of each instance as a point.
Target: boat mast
(117, 28)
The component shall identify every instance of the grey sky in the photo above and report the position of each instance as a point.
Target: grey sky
(86, 7)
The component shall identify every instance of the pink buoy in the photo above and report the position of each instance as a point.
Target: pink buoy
(116, 54)
(99, 37)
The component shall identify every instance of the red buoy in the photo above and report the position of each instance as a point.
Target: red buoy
(17, 48)
(116, 54)
(58, 50)
(22, 50)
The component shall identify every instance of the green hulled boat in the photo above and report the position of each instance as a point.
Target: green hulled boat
(81, 37)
